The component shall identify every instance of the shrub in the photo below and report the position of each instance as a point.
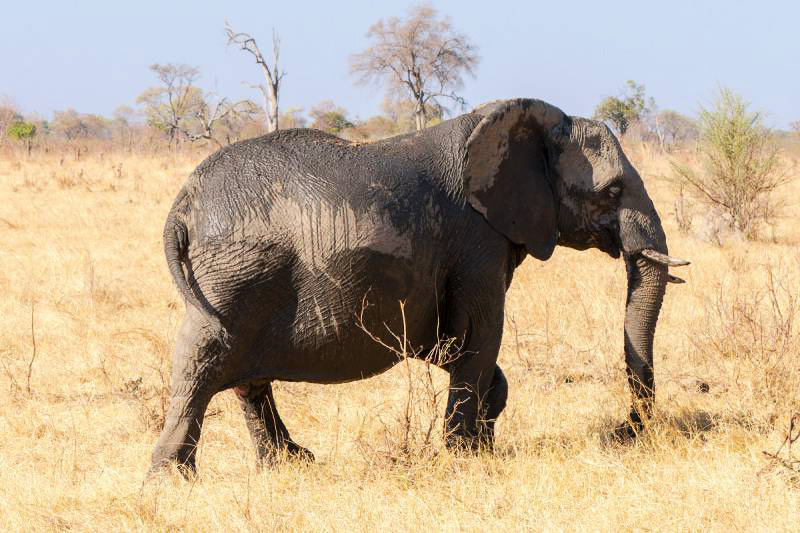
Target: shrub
(741, 168)
(750, 335)
(21, 130)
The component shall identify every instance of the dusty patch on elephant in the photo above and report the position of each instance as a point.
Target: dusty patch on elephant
(324, 228)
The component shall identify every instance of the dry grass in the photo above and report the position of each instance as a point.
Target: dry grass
(80, 251)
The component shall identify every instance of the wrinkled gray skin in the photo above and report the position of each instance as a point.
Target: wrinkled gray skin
(286, 245)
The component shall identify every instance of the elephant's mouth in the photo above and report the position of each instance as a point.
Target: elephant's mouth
(606, 239)
(610, 241)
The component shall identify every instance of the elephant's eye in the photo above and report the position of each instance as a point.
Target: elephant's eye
(614, 191)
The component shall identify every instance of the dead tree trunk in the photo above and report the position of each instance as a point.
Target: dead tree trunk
(272, 74)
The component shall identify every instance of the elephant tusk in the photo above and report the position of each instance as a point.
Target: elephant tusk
(674, 279)
(664, 259)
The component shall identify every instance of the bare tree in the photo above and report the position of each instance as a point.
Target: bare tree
(421, 56)
(273, 75)
(72, 125)
(213, 113)
(671, 129)
(244, 121)
(176, 101)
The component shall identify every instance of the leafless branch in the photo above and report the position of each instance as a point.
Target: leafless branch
(414, 55)
(211, 114)
(421, 412)
(272, 74)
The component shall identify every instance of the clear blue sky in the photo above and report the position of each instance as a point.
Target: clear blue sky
(93, 55)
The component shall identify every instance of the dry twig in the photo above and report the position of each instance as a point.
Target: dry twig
(33, 355)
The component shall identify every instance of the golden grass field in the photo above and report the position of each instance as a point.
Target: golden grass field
(89, 316)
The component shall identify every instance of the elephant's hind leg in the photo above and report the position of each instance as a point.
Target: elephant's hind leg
(267, 430)
(196, 373)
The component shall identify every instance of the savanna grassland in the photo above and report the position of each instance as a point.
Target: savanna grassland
(89, 316)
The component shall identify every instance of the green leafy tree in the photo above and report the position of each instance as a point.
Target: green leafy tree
(621, 112)
(22, 131)
(741, 166)
(8, 114)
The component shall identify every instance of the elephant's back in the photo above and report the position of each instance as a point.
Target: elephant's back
(292, 179)
(240, 184)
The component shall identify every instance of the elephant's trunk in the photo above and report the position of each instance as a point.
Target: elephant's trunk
(645, 250)
(647, 282)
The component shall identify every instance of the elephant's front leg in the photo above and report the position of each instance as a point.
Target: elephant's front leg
(495, 402)
(478, 391)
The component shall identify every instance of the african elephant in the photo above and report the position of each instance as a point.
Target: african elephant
(290, 247)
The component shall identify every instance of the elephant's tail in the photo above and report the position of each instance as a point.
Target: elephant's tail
(176, 243)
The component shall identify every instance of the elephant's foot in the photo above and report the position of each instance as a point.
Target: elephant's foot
(163, 461)
(177, 444)
(626, 432)
(187, 471)
(461, 443)
(466, 443)
(631, 429)
(299, 453)
(273, 453)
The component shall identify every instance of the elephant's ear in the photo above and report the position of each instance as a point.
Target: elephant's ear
(506, 175)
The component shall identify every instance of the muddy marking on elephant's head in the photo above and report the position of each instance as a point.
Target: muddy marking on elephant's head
(543, 178)
(591, 172)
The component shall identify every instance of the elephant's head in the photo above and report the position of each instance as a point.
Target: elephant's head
(543, 178)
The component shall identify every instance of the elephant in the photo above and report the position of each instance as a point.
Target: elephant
(293, 250)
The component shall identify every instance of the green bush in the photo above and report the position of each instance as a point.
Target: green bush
(21, 130)
(740, 165)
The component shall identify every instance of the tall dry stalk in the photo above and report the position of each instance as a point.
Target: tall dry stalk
(412, 437)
